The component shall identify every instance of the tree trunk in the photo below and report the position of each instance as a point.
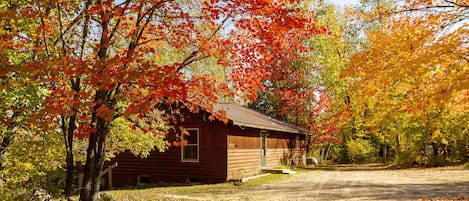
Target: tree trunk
(68, 138)
(96, 150)
(320, 155)
(94, 162)
(385, 153)
(69, 176)
(327, 151)
(345, 158)
(398, 146)
(308, 146)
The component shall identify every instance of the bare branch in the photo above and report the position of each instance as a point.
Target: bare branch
(85, 29)
(150, 40)
(196, 59)
(133, 44)
(64, 49)
(76, 20)
(44, 37)
(111, 35)
(190, 59)
(187, 60)
(460, 4)
(222, 23)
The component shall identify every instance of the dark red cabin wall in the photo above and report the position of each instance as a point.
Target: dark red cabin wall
(168, 166)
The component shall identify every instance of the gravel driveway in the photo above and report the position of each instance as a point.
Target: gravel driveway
(409, 184)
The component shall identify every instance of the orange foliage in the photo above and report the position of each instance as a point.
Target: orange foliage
(421, 52)
(115, 60)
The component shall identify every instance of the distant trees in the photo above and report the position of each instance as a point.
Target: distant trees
(388, 83)
(409, 86)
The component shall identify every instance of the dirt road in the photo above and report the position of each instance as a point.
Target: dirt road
(344, 183)
(410, 184)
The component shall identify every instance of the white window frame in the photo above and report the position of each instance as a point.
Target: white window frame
(198, 146)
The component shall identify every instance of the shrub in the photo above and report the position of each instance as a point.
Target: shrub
(30, 163)
(360, 150)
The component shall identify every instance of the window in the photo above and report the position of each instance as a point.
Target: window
(190, 152)
(143, 179)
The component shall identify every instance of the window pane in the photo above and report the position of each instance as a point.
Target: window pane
(192, 137)
(190, 152)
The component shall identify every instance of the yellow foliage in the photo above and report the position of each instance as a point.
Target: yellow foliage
(415, 58)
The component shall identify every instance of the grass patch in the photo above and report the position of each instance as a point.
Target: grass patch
(284, 167)
(182, 192)
(264, 180)
(297, 169)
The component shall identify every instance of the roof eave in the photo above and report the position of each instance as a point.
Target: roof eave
(269, 128)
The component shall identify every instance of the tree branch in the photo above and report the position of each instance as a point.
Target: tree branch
(111, 35)
(461, 4)
(150, 40)
(76, 20)
(44, 37)
(85, 29)
(189, 59)
(64, 49)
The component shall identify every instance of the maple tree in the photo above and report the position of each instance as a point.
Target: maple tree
(307, 94)
(101, 60)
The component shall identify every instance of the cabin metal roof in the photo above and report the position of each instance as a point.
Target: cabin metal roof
(245, 117)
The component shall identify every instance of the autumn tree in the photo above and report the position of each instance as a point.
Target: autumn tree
(101, 60)
(413, 75)
(329, 56)
(29, 158)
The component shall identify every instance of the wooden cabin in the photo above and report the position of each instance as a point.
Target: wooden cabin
(215, 151)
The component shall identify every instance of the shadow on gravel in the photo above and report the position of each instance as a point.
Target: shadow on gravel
(373, 167)
(351, 167)
(371, 191)
(458, 191)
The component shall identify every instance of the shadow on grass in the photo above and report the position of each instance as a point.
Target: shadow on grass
(194, 186)
(163, 185)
